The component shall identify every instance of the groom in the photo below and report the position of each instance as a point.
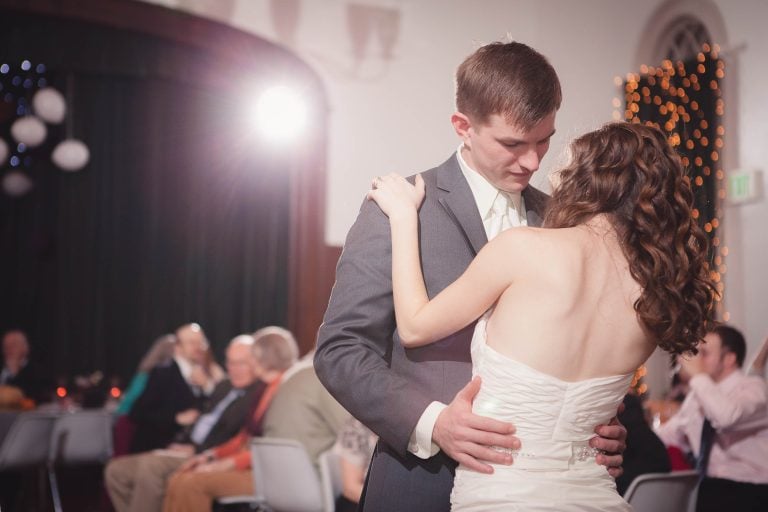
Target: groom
(507, 97)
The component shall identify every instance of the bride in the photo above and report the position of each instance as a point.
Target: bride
(619, 271)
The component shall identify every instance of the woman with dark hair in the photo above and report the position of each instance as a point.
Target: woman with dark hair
(566, 313)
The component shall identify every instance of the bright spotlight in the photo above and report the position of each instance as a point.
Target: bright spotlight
(281, 113)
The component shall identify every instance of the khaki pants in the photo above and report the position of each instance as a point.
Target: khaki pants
(136, 483)
(195, 492)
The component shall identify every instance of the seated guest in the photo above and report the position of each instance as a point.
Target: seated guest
(213, 371)
(355, 447)
(645, 452)
(174, 393)
(12, 399)
(758, 365)
(724, 422)
(680, 382)
(160, 353)
(137, 482)
(18, 371)
(302, 409)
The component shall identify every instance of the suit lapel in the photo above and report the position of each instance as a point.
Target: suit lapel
(535, 205)
(457, 199)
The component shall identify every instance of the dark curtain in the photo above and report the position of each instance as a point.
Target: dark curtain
(684, 100)
(179, 216)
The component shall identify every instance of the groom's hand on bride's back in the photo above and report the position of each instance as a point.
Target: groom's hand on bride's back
(612, 441)
(467, 438)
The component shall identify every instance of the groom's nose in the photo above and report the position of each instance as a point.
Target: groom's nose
(530, 160)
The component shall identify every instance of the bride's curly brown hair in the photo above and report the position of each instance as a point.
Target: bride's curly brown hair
(632, 174)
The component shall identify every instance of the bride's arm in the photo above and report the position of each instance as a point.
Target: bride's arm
(419, 320)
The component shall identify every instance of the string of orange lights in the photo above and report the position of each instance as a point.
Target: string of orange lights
(684, 99)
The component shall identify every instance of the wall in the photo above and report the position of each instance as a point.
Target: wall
(390, 110)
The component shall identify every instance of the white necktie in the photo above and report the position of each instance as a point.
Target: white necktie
(499, 220)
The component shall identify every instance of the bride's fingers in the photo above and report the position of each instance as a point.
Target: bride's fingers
(373, 194)
(419, 183)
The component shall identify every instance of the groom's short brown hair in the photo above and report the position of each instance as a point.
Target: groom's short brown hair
(509, 79)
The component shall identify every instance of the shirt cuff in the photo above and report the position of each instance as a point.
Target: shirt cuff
(420, 443)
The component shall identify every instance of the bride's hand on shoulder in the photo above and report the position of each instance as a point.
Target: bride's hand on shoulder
(396, 196)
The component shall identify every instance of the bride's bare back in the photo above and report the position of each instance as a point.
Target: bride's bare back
(568, 311)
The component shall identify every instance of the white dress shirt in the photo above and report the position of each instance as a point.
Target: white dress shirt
(737, 407)
(485, 194)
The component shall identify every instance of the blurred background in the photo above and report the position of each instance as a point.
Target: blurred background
(201, 160)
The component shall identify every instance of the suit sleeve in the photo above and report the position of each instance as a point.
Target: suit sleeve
(355, 341)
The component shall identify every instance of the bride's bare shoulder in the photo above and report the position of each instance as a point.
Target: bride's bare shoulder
(529, 235)
(539, 245)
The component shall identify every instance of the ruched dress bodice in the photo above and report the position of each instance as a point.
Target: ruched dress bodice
(555, 468)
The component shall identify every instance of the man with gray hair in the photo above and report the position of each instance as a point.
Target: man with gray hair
(225, 469)
(19, 372)
(137, 482)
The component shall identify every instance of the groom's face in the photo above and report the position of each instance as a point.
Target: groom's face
(504, 154)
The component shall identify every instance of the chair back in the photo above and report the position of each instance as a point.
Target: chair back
(27, 441)
(330, 478)
(82, 437)
(284, 477)
(662, 492)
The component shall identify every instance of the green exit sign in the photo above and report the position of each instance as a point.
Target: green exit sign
(744, 186)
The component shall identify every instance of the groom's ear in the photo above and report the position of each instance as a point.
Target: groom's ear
(461, 124)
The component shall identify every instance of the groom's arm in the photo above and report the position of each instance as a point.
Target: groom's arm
(355, 341)
(354, 353)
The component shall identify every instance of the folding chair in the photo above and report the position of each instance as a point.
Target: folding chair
(82, 437)
(663, 492)
(330, 478)
(26, 444)
(284, 477)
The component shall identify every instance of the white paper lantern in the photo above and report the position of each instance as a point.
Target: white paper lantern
(71, 155)
(49, 105)
(29, 130)
(16, 184)
(3, 151)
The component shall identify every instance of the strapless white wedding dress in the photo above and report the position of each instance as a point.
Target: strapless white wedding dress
(555, 469)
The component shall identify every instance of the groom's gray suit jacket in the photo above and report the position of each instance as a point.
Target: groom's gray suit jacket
(360, 359)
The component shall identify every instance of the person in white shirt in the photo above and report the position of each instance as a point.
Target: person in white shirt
(735, 471)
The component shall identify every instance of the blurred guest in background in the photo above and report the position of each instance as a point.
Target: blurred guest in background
(18, 371)
(213, 371)
(159, 353)
(302, 410)
(758, 365)
(724, 422)
(355, 447)
(174, 393)
(680, 381)
(645, 452)
(136, 483)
